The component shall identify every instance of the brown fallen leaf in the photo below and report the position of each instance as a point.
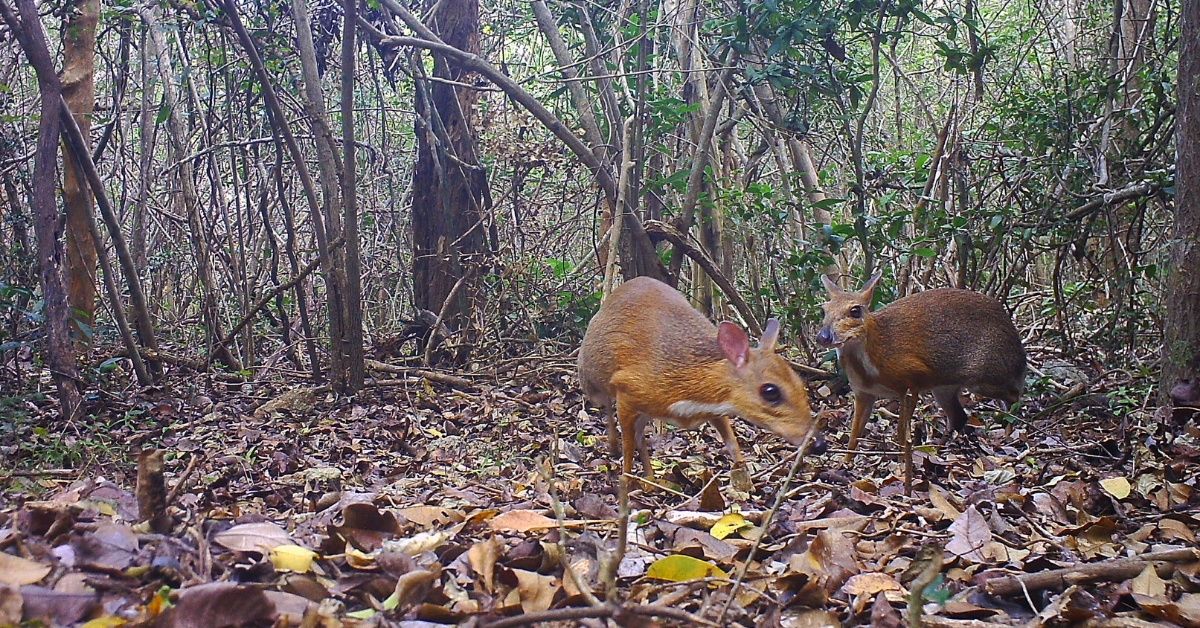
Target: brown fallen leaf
(261, 537)
(521, 521)
(290, 609)
(18, 571)
(482, 557)
(810, 618)
(430, 516)
(1174, 529)
(56, 608)
(687, 538)
(940, 500)
(883, 615)
(218, 605)
(828, 563)
(366, 527)
(112, 546)
(870, 583)
(536, 591)
(1148, 583)
(1184, 612)
(971, 536)
(412, 587)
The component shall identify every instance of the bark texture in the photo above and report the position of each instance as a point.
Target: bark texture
(1181, 336)
(79, 90)
(449, 184)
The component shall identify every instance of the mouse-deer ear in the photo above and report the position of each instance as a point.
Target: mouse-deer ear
(868, 289)
(769, 336)
(734, 343)
(831, 286)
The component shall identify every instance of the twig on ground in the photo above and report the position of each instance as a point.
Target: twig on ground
(1112, 570)
(184, 478)
(433, 376)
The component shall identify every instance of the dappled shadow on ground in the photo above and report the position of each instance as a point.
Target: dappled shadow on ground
(421, 501)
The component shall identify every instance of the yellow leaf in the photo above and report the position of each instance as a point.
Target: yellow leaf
(363, 615)
(293, 558)
(728, 525)
(680, 568)
(870, 583)
(18, 571)
(359, 560)
(1117, 487)
(108, 621)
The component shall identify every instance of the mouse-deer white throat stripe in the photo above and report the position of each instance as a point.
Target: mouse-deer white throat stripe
(696, 408)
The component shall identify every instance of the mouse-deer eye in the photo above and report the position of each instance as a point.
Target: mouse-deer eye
(771, 394)
(856, 311)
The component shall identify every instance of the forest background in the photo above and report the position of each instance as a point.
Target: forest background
(255, 196)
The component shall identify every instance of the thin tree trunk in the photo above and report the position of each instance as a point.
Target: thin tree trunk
(328, 169)
(352, 298)
(334, 280)
(79, 90)
(59, 350)
(146, 130)
(77, 151)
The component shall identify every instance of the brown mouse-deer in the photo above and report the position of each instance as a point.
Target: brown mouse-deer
(939, 340)
(649, 355)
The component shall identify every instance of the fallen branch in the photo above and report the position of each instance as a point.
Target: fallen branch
(596, 612)
(200, 366)
(810, 372)
(1113, 570)
(433, 376)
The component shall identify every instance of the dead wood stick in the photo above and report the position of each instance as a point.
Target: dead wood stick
(1112, 570)
(39, 473)
(181, 483)
(152, 491)
(589, 612)
(433, 376)
(441, 317)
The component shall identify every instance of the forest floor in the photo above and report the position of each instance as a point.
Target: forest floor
(420, 503)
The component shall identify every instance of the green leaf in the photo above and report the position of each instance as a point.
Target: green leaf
(925, 252)
(781, 42)
(109, 365)
(828, 203)
(164, 112)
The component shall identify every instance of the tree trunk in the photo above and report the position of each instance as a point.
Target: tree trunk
(59, 350)
(1181, 335)
(79, 90)
(352, 297)
(449, 184)
(328, 174)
